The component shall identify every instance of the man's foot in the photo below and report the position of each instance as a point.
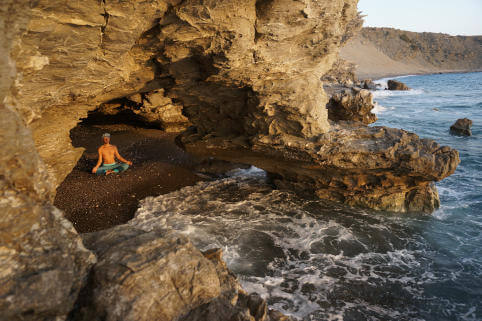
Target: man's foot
(110, 171)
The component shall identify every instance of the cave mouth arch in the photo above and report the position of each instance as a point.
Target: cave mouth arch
(94, 203)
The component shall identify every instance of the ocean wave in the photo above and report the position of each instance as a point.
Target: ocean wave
(377, 108)
(308, 258)
(382, 93)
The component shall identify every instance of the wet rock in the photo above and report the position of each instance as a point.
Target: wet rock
(369, 84)
(353, 104)
(462, 127)
(233, 303)
(396, 85)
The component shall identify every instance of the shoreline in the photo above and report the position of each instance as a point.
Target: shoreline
(385, 76)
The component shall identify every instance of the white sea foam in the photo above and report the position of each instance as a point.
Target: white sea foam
(378, 109)
(298, 260)
(381, 93)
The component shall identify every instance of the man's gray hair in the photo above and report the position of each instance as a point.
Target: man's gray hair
(106, 135)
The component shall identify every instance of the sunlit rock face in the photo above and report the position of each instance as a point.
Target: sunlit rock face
(373, 167)
(245, 75)
(237, 68)
(43, 263)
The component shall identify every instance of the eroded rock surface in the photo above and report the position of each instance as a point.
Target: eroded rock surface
(153, 108)
(150, 273)
(43, 264)
(236, 68)
(352, 104)
(375, 167)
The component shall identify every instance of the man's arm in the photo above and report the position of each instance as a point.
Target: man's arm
(122, 159)
(98, 162)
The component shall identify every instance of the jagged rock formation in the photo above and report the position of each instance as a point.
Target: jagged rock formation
(240, 65)
(352, 104)
(146, 272)
(342, 72)
(247, 72)
(43, 263)
(462, 127)
(375, 167)
(383, 52)
(152, 108)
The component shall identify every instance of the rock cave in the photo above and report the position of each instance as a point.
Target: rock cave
(241, 80)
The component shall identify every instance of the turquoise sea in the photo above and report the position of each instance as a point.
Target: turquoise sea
(318, 261)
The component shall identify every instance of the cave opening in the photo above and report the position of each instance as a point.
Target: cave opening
(93, 202)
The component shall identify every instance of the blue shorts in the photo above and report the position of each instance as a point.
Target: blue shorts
(117, 168)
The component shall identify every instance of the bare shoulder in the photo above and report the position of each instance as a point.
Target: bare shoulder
(101, 148)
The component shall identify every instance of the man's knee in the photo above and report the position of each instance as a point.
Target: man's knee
(123, 167)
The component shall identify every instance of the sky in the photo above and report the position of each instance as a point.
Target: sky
(455, 17)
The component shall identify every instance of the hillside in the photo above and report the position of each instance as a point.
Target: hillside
(380, 52)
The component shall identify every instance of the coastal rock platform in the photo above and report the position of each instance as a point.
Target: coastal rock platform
(373, 167)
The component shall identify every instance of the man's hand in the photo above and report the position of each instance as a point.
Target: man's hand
(129, 163)
(94, 170)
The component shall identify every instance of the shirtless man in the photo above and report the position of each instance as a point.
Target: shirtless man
(107, 154)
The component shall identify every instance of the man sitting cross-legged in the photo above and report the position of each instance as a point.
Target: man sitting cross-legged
(107, 154)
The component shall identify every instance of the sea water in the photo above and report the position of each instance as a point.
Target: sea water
(321, 261)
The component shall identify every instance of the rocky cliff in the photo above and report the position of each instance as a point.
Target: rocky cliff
(245, 74)
(380, 52)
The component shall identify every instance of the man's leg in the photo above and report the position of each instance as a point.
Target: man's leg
(101, 170)
(120, 167)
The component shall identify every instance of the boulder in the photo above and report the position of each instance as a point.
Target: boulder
(352, 104)
(369, 84)
(145, 275)
(147, 272)
(462, 127)
(396, 85)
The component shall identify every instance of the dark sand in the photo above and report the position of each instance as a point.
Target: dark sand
(94, 202)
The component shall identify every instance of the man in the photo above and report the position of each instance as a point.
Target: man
(107, 154)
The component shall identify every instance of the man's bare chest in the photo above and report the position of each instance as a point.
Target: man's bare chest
(108, 152)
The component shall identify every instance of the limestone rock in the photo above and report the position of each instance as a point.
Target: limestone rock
(43, 263)
(243, 67)
(342, 72)
(146, 275)
(396, 85)
(146, 272)
(462, 127)
(375, 167)
(353, 104)
(72, 57)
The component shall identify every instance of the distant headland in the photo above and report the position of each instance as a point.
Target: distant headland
(383, 52)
